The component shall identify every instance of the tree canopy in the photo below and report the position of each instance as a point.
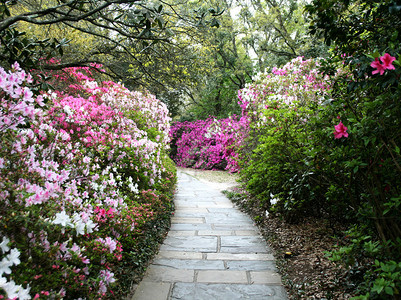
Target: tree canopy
(194, 55)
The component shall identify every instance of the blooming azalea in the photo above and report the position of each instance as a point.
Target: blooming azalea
(378, 66)
(13, 257)
(4, 244)
(340, 131)
(387, 61)
(5, 265)
(63, 219)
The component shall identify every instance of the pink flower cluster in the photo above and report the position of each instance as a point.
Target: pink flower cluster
(297, 82)
(387, 64)
(340, 131)
(209, 144)
(68, 173)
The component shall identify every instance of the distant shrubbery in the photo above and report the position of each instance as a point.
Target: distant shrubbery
(208, 144)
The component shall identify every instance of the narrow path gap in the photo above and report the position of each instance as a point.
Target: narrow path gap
(213, 251)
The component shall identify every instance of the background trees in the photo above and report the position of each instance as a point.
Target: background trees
(193, 55)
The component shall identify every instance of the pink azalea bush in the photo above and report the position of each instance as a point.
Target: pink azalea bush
(72, 170)
(208, 144)
(298, 82)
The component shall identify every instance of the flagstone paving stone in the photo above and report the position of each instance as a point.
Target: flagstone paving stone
(200, 291)
(213, 251)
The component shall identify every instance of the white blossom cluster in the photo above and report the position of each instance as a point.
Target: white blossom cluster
(12, 289)
(75, 222)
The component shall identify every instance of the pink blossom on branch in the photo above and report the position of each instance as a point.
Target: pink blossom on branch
(378, 66)
(340, 131)
(387, 61)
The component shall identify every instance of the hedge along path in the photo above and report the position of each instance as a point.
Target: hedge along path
(213, 251)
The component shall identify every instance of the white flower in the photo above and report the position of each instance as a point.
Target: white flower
(23, 294)
(80, 228)
(3, 244)
(13, 257)
(63, 219)
(79, 225)
(67, 110)
(90, 226)
(5, 265)
(11, 289)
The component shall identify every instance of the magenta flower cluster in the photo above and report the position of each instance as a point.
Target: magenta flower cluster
(208, 144)
(70, 173)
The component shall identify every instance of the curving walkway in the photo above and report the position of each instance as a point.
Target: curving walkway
(213, 251)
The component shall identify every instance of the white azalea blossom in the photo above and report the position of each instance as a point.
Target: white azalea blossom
(13, 290)
(68, 110)
(3, 244)
(13, 257)
(63, 219)
(5, 266)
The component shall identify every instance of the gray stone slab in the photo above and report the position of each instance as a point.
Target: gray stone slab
(152, 290)
(182, 233)
(191, 210)
(183, 220)
(190, 244)
(222, 276)
(242, 226)
(247, 232)
(214, 204)
(215, 232)
(265, 277)
(185, 203)
(193, 227)
(219, 218)
(203, 199)
(200, 291)
(256, 265)
(190, 264)
(179, 255)
(167, 274)
(243, 244)
(231, 210)
(181, 213)
(239, 256)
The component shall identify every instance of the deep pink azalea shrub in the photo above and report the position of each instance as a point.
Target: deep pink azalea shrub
(73, 168)
(208, 144)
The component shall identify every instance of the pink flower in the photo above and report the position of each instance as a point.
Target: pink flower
(340, 131)
(379, 67)
(387, 61)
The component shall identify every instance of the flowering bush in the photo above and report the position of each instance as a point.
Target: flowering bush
(333, 152)
(277, 157)
(208, 144)
(215, 143)
(72, 173)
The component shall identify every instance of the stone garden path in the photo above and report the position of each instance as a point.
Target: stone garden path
(212, 252)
